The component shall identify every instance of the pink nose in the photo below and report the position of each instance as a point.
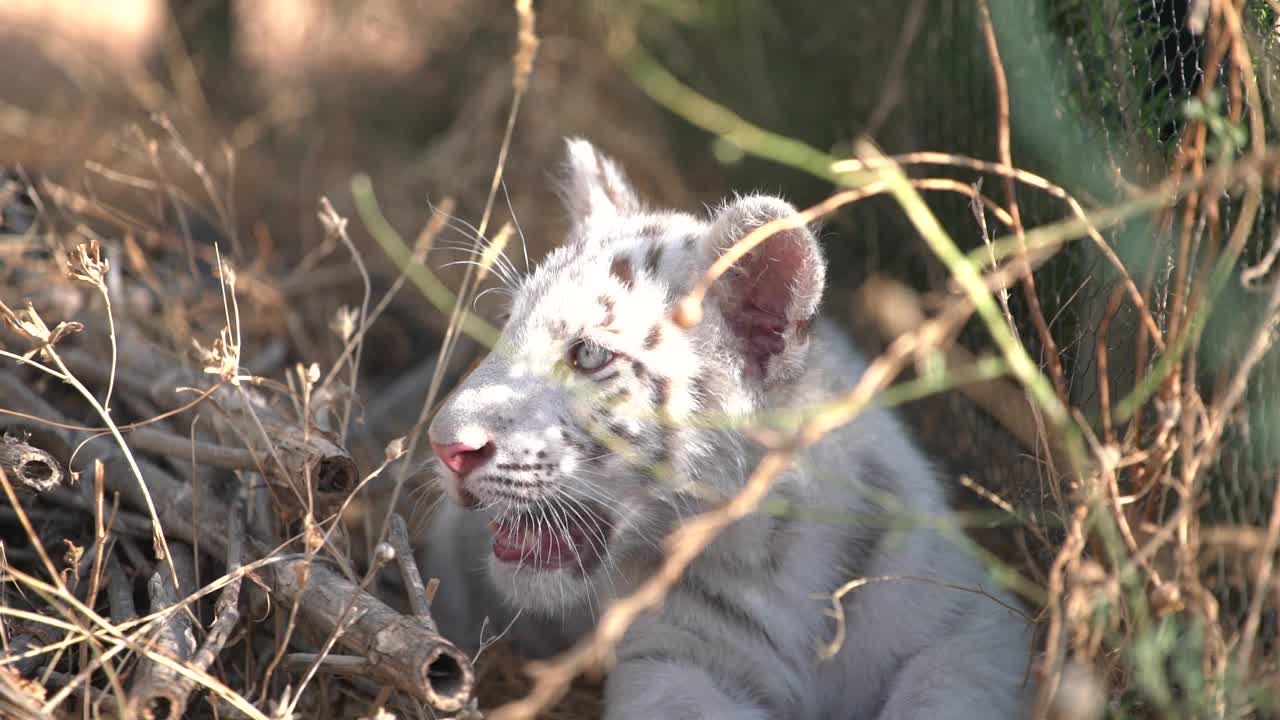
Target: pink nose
(463, 458)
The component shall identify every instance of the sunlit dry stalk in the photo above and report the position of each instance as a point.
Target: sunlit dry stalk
(100, 543)
(1101, 358)
(526, 48)
(891, 94)
(527, 44)
(201, 397)
(336, 225)
(421, 246)
(987, 495)
(35, 329)
(1047, 343)
(1088, 225)
(1049, 670)
(830, 650)
(689, 310)
(59, 590)
(89, 267)
(1251, 274)
(966, 274)
(1107, 458)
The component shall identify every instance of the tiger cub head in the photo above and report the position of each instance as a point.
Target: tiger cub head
(596, 422)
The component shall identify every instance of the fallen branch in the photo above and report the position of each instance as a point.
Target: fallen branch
(153, 694)
(402, 652)
(315, 473)
(228, 613)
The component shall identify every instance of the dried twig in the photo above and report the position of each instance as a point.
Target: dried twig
(526, 51)
(1048, 345)
(226, 610)
(398, 536)
(895, 309)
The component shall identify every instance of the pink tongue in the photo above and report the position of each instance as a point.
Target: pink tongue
(512, 543)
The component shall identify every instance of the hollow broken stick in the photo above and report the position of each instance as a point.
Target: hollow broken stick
(33, 470)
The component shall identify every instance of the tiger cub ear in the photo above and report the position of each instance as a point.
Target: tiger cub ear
(771, 295)
(593, 184)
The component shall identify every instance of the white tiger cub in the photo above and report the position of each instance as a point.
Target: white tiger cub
(576, 446)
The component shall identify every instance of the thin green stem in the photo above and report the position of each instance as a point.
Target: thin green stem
(427, 282)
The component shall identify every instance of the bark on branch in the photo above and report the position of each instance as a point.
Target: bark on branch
(33, 470)
(153, 695)
(403, 652)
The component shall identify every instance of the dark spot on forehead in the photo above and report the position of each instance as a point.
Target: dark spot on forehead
(639, 369)
(653, 338)
(652, 257)
(621, 269)
(653, 228)
(607, 303)
(661, 387)
(689, 240)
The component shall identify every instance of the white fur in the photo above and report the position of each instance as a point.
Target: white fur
(739, 637)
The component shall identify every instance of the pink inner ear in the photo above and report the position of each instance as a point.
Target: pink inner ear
(760, 296)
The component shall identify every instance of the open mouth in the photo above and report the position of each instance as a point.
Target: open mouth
(531, 540)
